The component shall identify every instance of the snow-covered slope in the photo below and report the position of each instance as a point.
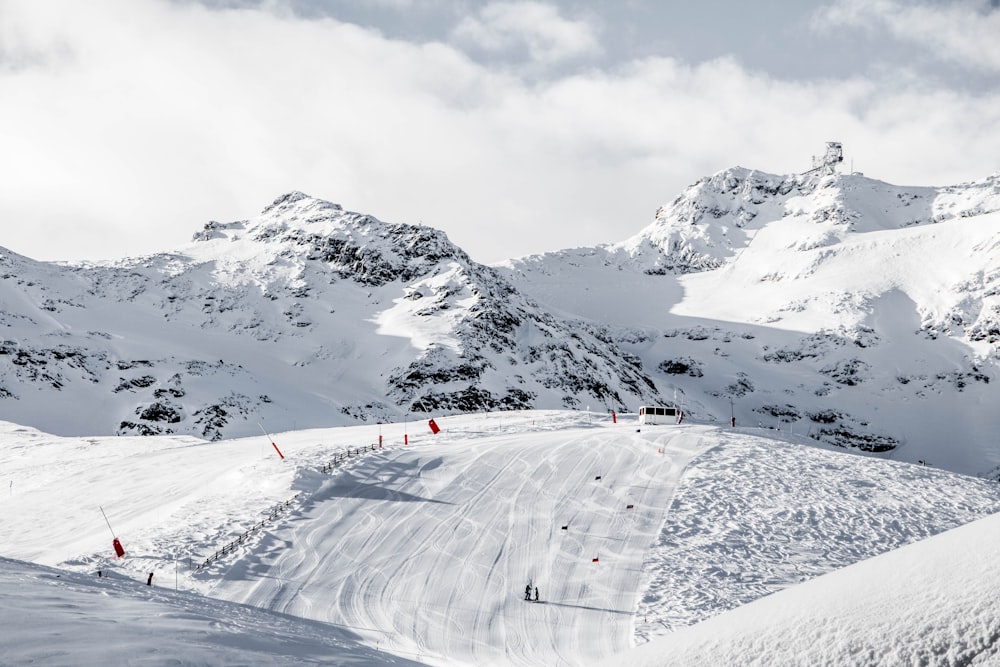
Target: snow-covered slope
(863, 314)
(305, 316)
(58, 617)
(930, 603)
(848, 325)
(422, 551)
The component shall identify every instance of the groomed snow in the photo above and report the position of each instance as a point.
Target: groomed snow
(422, 552)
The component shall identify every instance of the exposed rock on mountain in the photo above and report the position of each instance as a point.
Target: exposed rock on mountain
(307, 315)
(863, 314)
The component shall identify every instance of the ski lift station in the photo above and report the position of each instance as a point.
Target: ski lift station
(827, 163)
(658, 414)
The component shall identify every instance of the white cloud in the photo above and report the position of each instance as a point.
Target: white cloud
(504, 27)
(134, 122)
(964, 32)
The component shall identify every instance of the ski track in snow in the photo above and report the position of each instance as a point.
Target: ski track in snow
(423, 551)
(426, 550)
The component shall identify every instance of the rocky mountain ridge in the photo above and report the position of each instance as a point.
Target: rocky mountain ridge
(855, 311)
(863, 314)
(305, 316)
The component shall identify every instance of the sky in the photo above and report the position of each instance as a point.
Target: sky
(516, 127)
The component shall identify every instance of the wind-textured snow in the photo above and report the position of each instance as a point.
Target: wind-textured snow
(930, 603)
(422, 551)
(55, 617)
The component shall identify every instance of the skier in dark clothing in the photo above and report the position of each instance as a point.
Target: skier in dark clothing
(527, 592)
(536, 593)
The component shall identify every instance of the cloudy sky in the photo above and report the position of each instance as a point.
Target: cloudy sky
(516, 126)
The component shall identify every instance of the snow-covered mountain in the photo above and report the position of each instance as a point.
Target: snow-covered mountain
(863, 314)
(860, 313)
(306, 315)
(838, 312)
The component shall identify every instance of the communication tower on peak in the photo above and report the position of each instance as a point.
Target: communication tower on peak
(826, 164)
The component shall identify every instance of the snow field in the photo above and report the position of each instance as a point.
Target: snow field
(423, 551)
(928, 603)
(755, 516)
(57, 617)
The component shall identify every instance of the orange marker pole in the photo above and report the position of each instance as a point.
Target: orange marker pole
(282, 456)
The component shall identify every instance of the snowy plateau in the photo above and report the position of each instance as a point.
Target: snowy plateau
(829, 497)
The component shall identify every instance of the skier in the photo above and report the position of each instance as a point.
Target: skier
(536, 593)
(527, 592)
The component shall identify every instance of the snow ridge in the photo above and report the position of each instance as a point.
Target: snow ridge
(839, 306)
(860, 313)
(307, 315)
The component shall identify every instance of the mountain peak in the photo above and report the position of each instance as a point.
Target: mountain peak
(295, 209)
(714, 219)
(313, 313)
(708, 223)
(296, 201)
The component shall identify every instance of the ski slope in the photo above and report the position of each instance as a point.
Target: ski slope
(420, 552)
(428, 554)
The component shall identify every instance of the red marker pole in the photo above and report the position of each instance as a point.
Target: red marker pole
(119, 549)
(282, 456)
